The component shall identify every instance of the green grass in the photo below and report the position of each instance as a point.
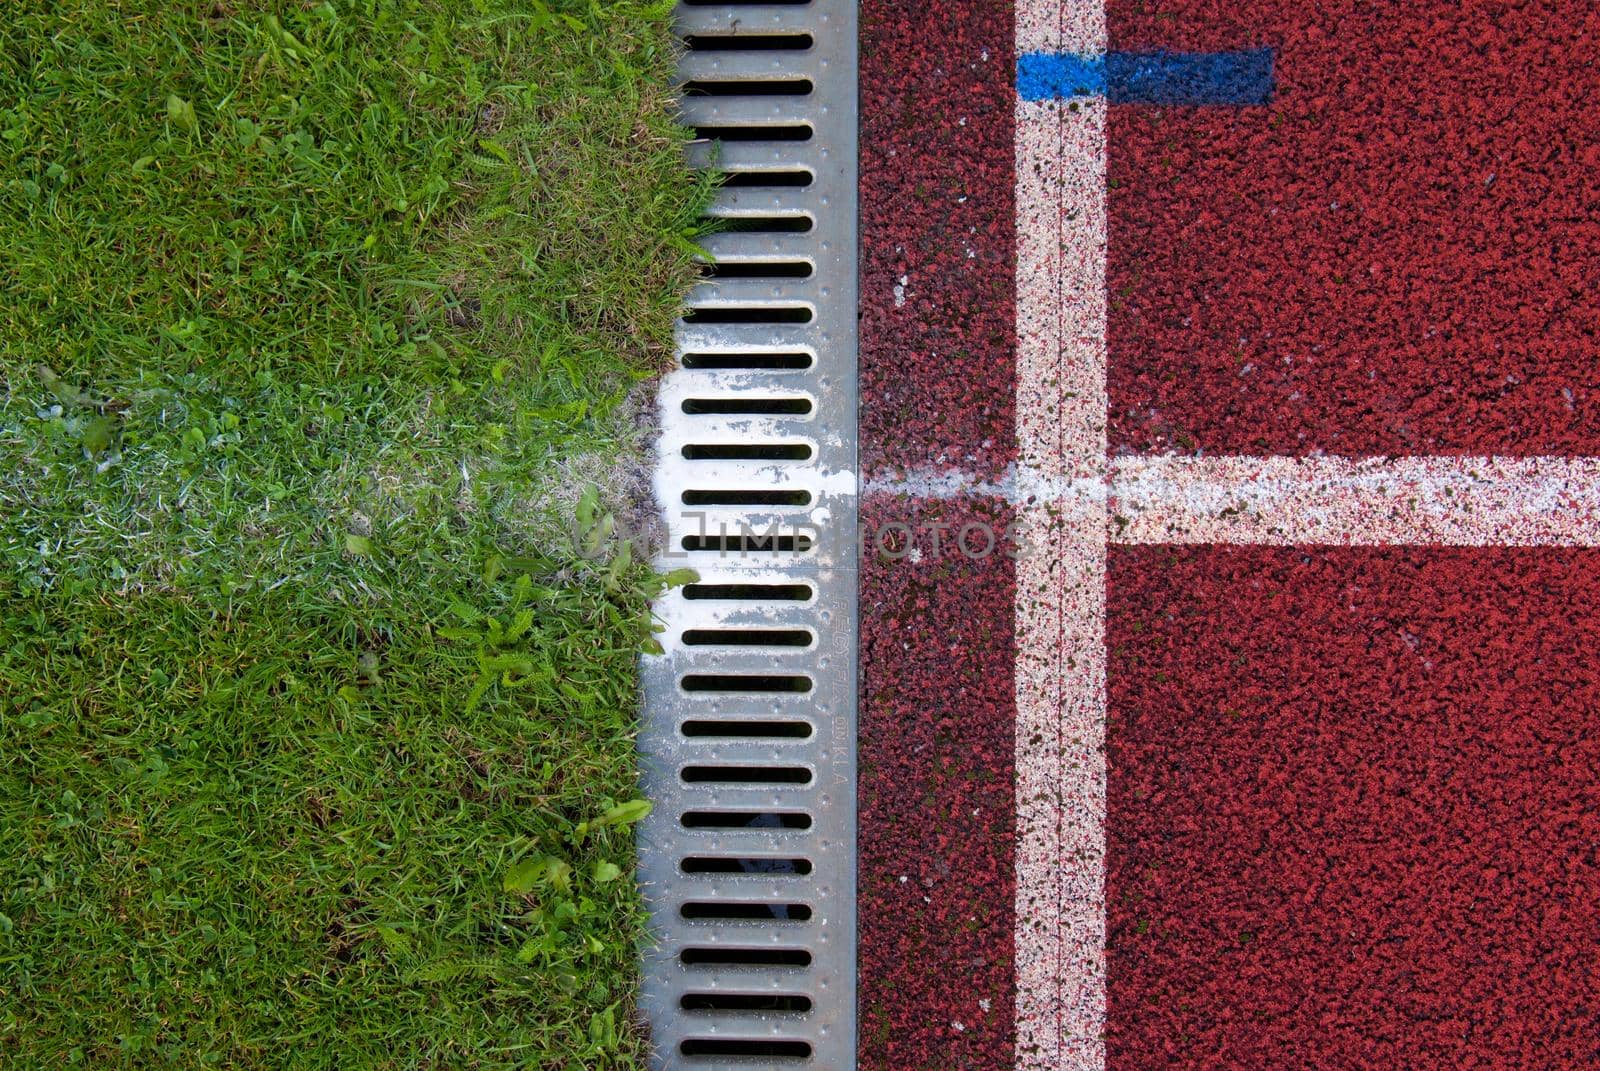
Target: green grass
(319, 318)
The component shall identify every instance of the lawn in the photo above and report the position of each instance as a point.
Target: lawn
(325, 352)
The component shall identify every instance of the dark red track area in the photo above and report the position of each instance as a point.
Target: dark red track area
(937, 368)
(1397, 256)
(1355, 803)
(937, 210)
(937, 799)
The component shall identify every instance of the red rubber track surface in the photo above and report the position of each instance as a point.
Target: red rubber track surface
(1354, 805)
(1397, 256)
(937, 800)
(937, 368)
(937, 209)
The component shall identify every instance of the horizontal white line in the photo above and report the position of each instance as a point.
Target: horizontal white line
(1456, 501)
(1018, 485)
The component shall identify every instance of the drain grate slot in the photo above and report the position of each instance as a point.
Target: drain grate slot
(702, 910)
(747, 775)
(747, 743)
(742, 592)
(789, 179)
(746, 498)
(792, 132)
(748, 42)
(794, 1004)
(731, 865)
(782, 730)
(762, 314)
(743, 546)
(747, 269)
(777, 362)
(799, 87)
(748, 452)
(747, 820)
(749, 406)
(756, 1049)
(743, 682)
(764, 224)
(748, 637)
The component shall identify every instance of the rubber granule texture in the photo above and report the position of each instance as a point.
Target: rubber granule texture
(937, 376)
(937, 798)
(1354, 802)
(937, 226)
(1397, 255)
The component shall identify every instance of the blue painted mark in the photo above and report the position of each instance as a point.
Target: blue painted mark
(1218, 78)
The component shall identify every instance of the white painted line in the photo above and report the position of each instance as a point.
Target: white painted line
(1016, 484)
(1449, 501)
(1286, 501)
(1060, 610)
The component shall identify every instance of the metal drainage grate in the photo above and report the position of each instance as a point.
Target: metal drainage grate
(748, 741)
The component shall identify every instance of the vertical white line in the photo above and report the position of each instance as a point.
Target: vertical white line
(1060, 611)
(1039, 606)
